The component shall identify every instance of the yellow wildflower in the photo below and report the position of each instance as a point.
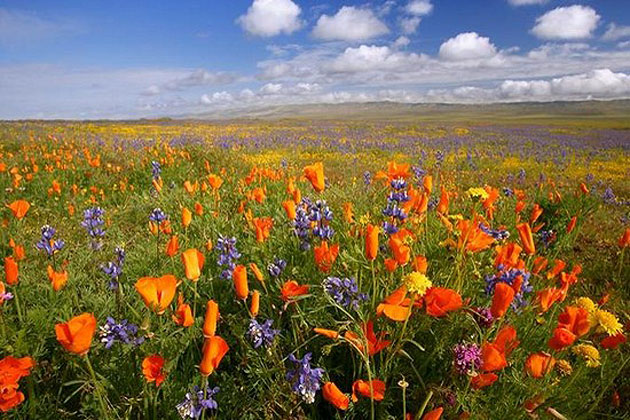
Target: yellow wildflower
(589, 353)
(586, 303)
(417, 283)
(607, 322)
(564, 367)
(477, 192)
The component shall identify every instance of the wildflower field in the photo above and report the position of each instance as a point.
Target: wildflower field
(314, 270)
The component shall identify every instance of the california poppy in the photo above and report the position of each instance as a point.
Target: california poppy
(58, 279)
(325, 256)
(289, 208)
(157, 292)
(539, 364)
(442, 206)
(333, 395)
(527, 240)
(12, 371)
(239, 276)
(371, 242)
(291, 289)
(76, 335)
(211, 318)
(332, 334)
(501, 300)
(613, 341)
(183, 314)
(435, 414)
(152, 369)
(19, 208)
(483, 380)
(624, 240)
(263, 227)
(571, 224)
(172, 246)
(400, 251)
(374, 389)
(257, 273)
(439, 301)
(255, 304)
(186, 217)
(375, 343)
(536, 212)
(494, 355)
(508, 255)
(214, 348)
(11, 271)
(315, 174)
(193, 261)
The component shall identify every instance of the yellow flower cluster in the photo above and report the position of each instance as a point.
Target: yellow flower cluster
(417, 283)
(477, 192)
(589, 353)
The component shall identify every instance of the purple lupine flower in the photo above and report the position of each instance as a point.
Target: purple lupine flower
(276, 267)
(521, 175)
(398, 184)
(157, 216)
(195, 403)
(305, 380)
(433, 202)
(439, 158)
(122, 332)
(509, 277)
(466, 358)
(261, 334)
(312, 218)
(483, 316)
(547, 237)
(92, 222)
(508, 192)
(344, 291)
(114, 268)
(156, 170)
(367, 178)
(496, 234)
(5, 296)
(47, 243)
(389, 228)
(609, 196)
(228, 254)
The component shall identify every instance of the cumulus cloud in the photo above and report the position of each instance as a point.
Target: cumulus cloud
(526, 2)
(614, 32)
(401, 42)
(467, 46)
(572, 22)
(409, 25)
(419, 7)
(268, 18)
(18, 27)
(349, 24)
(198, 77)
(366, 58)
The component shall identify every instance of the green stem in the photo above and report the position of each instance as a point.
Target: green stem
(424, 405)
(97, 388)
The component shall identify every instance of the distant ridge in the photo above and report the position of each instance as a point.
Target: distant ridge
(592, 109)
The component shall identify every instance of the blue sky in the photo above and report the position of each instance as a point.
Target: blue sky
(125, 59)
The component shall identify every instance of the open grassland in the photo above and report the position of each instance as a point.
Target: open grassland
(300, 269)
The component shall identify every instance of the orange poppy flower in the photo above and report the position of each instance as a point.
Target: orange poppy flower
(215, 181)
(395, 170)
(561, 338)
(483, 380)
(327, 333)
(371, 242)
(433, 414)
(211, 318)
(527, 240)
(400, 251)
(289, 208)
(503, 297)
(152, 369)
(263, 227)
(538, 365)
(508, 255)
(427, 184)
(571, 224)
(183, 314)
(558, 266)
(494, 355)
(375, 344)
(19, 208)
(374, 389)
(315, 174)
(488, 203)
(348, 213)
(540, 263)
(439, 301)
(239, 276)
(11, 271)
(547, 297)
(291, 290)
(12, 370)
(186, 217)
(575, 320)
(325, 256)
(214, 349)
(624, 241)
(193, 261)
(471, 237)
(157, 292)
(442, 206)
(397, 305)
(257, 273)
(76, 335)
(333, 395)
(18, 251)
(613, 341)
(520, 205)
(390, 264)
(255, 304)
(536, 212)
(172, 246)
(58, 279)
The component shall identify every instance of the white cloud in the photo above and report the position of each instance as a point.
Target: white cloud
(467, 46)
(349, 24)
(367, 58)
(18, 27)
(572, 22)
(526, 2)
(401, 42)
(614, 32)
(419, 7)
(217, 97)
(267, 18)
(271, 88)
(409, 25)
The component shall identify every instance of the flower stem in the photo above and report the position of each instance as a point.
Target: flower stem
(97, 388)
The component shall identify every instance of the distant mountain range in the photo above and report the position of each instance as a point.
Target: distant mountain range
(393, 111)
